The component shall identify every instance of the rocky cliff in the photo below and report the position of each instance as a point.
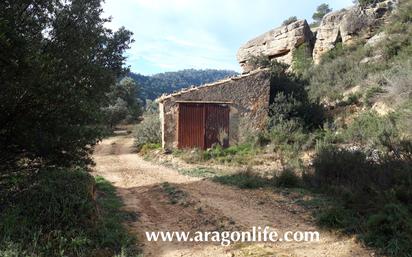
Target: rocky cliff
(277, 44)
(346, 25)
(341, 26)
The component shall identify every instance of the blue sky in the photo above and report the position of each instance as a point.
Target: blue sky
(172, 35)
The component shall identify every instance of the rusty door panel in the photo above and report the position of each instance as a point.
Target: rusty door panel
(217, 125)
(201, 125)
(191, 126)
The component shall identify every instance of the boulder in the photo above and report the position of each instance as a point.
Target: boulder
(347, 24)
(278, 44)
(376, 39)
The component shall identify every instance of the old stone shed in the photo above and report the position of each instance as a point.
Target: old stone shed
(215, 113)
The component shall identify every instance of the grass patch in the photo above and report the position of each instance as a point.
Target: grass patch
(237, 154)
(199, 172)
(245, 179)
(111, 233)
(147, 148)
(53, 213)
(175, 195)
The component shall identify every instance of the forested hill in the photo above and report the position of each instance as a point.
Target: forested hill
(153, 86)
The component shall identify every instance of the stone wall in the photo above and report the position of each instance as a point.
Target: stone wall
(249, 96)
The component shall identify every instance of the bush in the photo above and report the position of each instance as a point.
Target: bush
(337, 217)
(233, 154)
(245, 179)
(371, 93)
(147, 148)
(335, 167)
(391, 230)
(260, 61)
(374, 132)
(56, 215)
(287, 178)
(148, 131)
(289, 99)
(373, 198)
(302, 59)
(289, 20)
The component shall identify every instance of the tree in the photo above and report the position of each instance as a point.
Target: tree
(116, 112)
(321, 11)
(289, 20)
(58, 61)
(124, 103)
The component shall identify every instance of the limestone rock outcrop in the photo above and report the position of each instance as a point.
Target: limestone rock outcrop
(343, 26)
(278, 44)
(346, 25)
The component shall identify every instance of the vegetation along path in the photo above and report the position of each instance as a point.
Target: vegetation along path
(164, 199)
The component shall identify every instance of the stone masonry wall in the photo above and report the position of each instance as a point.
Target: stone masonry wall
(249, 96)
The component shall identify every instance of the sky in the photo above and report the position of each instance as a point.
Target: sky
(172, 35)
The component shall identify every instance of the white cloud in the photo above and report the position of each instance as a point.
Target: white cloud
(177, 34)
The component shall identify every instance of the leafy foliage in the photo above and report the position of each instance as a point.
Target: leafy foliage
(148, 131)
(302, 59)
(373, 198)
(289, 20)
(321, 11)
(57, 216)
(287, 178)
(124, 106)
(58, 62)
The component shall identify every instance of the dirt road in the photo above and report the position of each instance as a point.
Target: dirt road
(193, 204)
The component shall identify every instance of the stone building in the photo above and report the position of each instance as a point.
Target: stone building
(215, 113)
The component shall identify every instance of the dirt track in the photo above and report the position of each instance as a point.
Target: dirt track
(206, 206)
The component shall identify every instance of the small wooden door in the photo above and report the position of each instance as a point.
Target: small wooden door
(201, 125)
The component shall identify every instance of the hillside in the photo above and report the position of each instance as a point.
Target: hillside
(338, 130)
(328, 170)
(154, 86)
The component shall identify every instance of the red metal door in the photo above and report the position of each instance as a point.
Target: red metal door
(217, 125)
(201, 125)
(191, 126)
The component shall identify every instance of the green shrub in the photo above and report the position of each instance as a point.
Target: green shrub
(302, 59)
(289, 20)
(232, 154)
(148, 131)
(366, 2)
(259, 61)
(360, 188)
(335, 167)
(147, 148)
(371, 93)
(391, 230)
(287, 178)
(55, 215)
(337, 217)
(373, 131)
(289, 99)
(191, 156)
